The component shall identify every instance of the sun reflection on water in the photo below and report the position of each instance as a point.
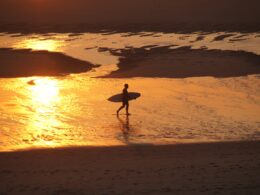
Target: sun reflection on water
(45, 92)
(38, 44)
(45, 98)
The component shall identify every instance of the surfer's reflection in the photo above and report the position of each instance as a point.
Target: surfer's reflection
(125, 127)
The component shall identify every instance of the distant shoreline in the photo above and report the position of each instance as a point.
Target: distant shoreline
(27, 28)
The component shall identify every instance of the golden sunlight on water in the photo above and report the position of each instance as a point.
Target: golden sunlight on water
(73, 111)
(37, 44)
(44, 92)
(44, 97)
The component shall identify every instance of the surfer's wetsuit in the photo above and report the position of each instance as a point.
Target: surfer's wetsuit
(125, 97)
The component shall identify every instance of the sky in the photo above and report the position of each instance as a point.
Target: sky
(129, 11)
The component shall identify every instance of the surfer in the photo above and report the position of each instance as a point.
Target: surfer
(125, 102)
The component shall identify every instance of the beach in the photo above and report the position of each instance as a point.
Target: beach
(194, 128)
(207, 168)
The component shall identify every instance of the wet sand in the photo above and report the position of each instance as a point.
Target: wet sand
(210, 168)
(25, 62)
(147, 61)
(164, 62)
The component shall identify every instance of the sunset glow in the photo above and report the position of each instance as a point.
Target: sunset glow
(44, 97)
(45, 92)
(35, 44)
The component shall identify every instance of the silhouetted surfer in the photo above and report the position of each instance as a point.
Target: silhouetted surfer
(125, 97)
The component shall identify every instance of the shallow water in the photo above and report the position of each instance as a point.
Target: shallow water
(73, 110)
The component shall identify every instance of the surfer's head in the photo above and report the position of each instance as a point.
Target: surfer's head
(126, 85)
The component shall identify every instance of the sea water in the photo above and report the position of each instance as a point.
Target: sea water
(73, 110)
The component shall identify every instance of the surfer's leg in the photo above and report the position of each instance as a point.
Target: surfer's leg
(120, 108)
(127, 106)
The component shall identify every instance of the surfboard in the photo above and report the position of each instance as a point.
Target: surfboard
(118, 97)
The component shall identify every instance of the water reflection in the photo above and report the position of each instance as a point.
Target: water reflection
(125, 127)
(37, 44)
(74, 111)
(45, 92)
(44, 102)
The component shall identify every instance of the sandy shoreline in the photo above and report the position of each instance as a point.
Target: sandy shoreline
(162, 62)
(183, 62)
(38, 63)
(27, 28)
(222, 168)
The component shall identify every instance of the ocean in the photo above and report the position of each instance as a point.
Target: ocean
(203, 105)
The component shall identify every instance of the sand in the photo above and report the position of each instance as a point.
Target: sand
(183, 62)
(209, 168)
(147, 61)
(38, 63)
